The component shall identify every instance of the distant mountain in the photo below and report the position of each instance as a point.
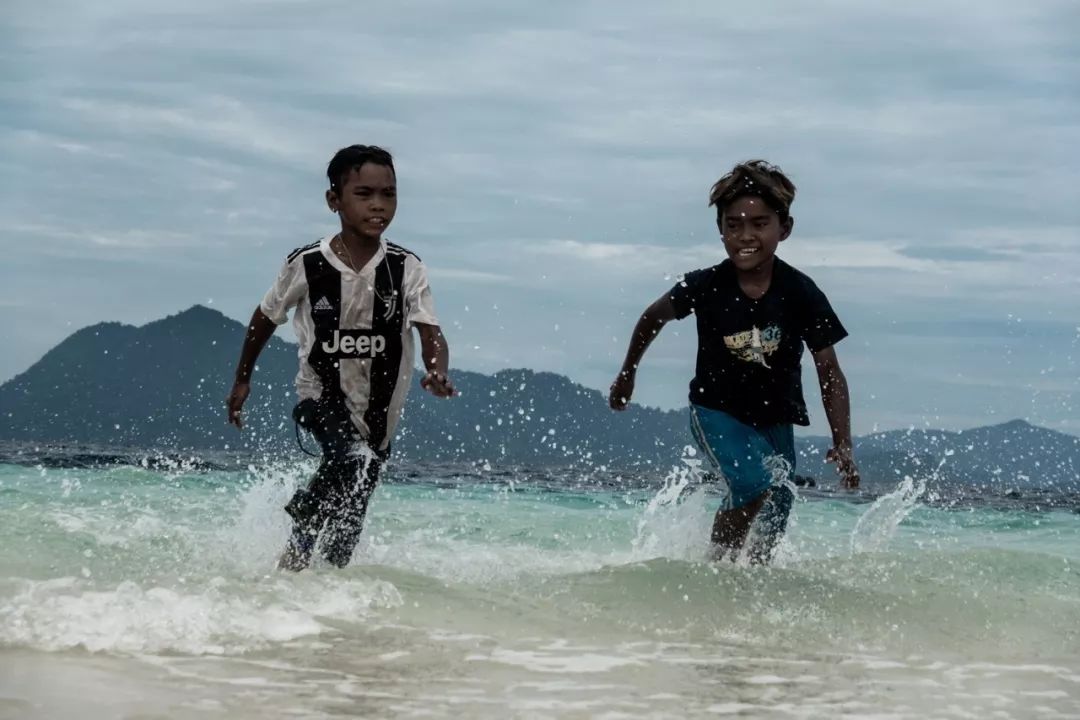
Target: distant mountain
(1014, 456)
(163, 385)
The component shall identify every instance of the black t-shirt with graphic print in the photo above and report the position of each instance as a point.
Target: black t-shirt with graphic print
(750, 351)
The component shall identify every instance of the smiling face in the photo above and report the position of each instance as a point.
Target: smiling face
(751, 231)
(366, 200)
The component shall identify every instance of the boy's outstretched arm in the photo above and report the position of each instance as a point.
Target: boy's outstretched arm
(436, 354)
(259, 330)
(834, 395)
(648, 326)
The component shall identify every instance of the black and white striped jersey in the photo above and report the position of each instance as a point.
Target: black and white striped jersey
(354, 329)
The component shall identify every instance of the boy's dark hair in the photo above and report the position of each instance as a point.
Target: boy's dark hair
(346, 159)
(758, 178)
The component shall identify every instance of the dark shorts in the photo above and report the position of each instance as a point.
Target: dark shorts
(749, 460)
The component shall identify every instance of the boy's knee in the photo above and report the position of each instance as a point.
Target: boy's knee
(777, 507)
(341, 537)
(303, 507)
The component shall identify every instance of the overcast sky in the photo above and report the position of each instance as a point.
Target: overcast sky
(554, 161)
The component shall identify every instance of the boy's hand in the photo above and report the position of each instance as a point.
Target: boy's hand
(845, 466)
(621, 390)
(438, 384)
(235, 402)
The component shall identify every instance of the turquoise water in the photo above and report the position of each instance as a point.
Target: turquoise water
(130, 592)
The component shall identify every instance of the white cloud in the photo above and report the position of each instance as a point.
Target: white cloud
(553, 158)
(470, 276)
(222, 121)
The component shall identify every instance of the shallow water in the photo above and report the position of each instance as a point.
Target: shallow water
(135, 592)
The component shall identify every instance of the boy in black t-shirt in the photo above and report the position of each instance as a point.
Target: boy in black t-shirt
(754, 312)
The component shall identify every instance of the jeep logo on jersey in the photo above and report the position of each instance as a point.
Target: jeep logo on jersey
(353, 344)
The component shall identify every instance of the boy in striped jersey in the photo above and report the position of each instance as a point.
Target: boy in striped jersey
(356, 299)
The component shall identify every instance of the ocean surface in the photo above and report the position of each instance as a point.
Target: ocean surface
(132, 591)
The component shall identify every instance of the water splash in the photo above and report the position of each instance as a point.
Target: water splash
(255, 539)
(676, 521)
(877, 526)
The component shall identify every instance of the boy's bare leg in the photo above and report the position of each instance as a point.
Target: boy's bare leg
(730, 527)
(305, 511)
(297, 553)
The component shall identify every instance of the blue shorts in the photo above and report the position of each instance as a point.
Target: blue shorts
(749, 460)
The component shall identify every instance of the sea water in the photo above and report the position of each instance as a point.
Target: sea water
(150, 592)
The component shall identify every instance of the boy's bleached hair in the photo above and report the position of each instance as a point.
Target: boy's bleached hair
(758, 178)
(347, 158)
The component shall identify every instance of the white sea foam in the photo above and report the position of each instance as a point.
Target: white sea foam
(575, 661)
(214, 617)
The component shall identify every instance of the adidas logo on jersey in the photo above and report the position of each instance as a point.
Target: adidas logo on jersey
(353, 344)
(323, 305)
